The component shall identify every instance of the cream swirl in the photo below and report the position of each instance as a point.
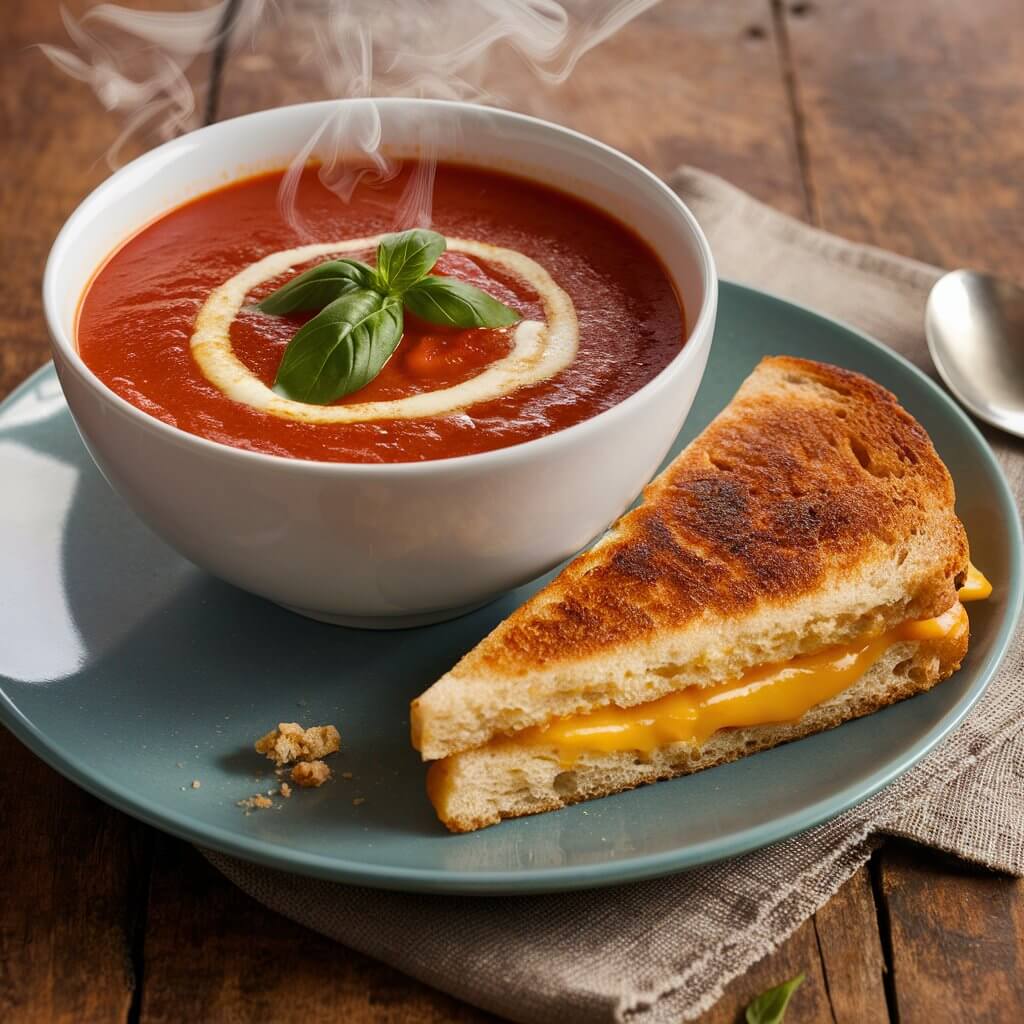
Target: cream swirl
(539, 350)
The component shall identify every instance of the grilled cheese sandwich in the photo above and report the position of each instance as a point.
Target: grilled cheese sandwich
(798, 565)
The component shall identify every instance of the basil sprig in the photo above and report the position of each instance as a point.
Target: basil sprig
(360, 323)
(770, 1007)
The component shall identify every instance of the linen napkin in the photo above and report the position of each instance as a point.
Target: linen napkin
(663, 950)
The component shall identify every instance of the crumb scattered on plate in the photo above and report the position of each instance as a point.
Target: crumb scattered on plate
(356, 801)
(256, 802)
(290, 742)
(310, 773)
(346, 775)
(196, 783)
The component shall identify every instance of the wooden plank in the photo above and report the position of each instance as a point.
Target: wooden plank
(851, 953)
(686, 81)
(214, 954)
(61, 132)
(74, 870)
(73, 873)
(911, 116)
(957, 936)
(840, 952)
(62, 135)
(73, 866)
(810, 1003)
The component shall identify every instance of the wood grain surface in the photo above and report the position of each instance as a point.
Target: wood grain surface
(687, 81)
(213, 954)
(73, 869)
(911, 116)
(957, 939)
(897, 124)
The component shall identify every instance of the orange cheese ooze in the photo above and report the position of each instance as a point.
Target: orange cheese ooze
(769, 694)
(976, 587)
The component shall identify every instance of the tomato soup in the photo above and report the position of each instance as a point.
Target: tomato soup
(138, 317)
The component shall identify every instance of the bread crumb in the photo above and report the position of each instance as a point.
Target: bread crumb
(310, 773)
(346, 775)
(357, 800)
(196, 783)
(256, 802)
(290, 742)
(286, 790)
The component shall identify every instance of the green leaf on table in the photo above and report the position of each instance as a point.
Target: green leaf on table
(452, 303)
(318, 287)
(770, 1007)
(405, 257)
(341, 349)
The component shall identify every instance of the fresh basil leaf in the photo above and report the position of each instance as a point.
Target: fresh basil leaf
(341, 349)
(452, 303)
(404, 258)
(318, 287)
(770, 1007)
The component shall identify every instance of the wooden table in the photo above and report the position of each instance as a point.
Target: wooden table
(892, 123)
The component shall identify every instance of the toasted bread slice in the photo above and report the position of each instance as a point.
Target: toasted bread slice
(811, 512)
(480, 787)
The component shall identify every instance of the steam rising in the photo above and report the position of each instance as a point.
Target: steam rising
(137, 63)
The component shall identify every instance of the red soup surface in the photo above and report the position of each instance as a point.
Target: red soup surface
(137, 317)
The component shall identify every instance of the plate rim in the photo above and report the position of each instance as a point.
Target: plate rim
(602, 873)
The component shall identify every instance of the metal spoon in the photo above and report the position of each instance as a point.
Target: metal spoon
(975, 328)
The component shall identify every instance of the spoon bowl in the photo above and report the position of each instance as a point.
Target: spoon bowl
(975, 328)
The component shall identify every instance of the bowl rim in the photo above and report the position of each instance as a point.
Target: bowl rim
(689, 353)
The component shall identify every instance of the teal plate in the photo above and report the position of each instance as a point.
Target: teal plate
(133, 673)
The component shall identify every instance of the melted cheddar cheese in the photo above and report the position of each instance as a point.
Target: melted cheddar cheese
(769, 694)
(976, 587)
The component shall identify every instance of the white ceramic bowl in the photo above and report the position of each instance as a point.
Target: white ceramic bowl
(397, 544)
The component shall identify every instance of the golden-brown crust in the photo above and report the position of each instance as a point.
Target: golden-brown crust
(810, 470)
